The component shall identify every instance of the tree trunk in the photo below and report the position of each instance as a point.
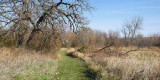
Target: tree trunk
(22, 29)
(33, 33)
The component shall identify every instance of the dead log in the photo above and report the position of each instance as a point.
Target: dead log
(106, 46)
(132, 50)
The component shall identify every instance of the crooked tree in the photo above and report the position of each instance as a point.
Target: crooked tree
(40, 16)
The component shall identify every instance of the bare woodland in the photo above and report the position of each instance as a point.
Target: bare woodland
(43, 24)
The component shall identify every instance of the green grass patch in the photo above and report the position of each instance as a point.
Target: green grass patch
(71, 68)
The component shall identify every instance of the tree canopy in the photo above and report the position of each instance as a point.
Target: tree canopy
(43, 16)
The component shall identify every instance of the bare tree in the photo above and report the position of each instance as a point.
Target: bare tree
(130, 30)
(34, 16)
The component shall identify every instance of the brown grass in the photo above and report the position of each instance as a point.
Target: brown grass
(139, 65)
(15, 62)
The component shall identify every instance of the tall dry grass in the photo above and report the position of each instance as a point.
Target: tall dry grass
(22, 64)
(139, 65)
(133, 68)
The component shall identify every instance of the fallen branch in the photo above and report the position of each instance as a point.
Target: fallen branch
(132, 50)
(106, 46)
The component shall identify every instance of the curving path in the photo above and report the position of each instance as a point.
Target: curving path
(72, 68)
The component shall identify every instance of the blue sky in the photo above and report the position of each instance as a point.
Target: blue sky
(111, 14)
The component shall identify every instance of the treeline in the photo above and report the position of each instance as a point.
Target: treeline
(43, 25)
(97, 39)
(129, 35)
(84, 37)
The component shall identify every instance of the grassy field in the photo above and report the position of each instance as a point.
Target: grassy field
(20, 64)
(143, 64)
(72, 68)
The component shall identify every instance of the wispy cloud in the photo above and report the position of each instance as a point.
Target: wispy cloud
(152, 7)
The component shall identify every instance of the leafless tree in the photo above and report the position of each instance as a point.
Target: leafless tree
(38, 16)
(130, 30)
